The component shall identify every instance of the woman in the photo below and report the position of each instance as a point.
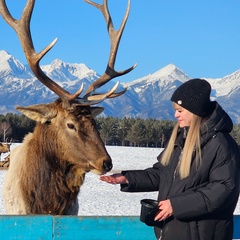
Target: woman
(197, 175)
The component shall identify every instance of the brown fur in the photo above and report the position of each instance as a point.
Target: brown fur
(5, 163)
(48, 168)
(4, 147)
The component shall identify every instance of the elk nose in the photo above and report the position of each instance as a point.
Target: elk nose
(107, 165)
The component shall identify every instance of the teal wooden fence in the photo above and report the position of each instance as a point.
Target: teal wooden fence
(45, 227)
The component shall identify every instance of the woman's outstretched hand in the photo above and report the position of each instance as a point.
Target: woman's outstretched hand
(117, 178)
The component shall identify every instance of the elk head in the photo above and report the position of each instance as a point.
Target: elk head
(4, 148)
(70, 119)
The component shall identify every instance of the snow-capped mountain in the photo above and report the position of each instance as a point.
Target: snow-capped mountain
(147, 97)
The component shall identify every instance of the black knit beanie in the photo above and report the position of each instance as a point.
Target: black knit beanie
(194, 95)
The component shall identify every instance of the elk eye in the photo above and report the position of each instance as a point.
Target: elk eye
(71, 126)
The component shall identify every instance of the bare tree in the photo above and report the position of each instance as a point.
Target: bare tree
(5, 130)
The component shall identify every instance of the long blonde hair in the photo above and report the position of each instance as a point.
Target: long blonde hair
(191, 145)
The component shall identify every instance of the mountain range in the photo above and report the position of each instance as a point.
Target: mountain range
(147, 97)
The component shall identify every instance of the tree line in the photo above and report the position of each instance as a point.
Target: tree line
(134, 131)
(14, 127)
(113, 131)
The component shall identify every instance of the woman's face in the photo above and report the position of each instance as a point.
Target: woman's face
(183, 116)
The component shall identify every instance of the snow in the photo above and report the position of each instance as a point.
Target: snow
(98, 198)
(18, 80)
(63, 72)
(164, 77)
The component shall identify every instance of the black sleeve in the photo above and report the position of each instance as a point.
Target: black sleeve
(142, 180)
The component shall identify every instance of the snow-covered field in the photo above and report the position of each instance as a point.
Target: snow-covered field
(98, 198)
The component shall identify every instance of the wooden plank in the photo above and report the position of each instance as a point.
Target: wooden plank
(45, 227)
(101, 228)
(25, 227)
(236, 233)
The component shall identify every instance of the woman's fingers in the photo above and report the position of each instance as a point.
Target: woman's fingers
(114, 179)
(107, 179)
(165, 210)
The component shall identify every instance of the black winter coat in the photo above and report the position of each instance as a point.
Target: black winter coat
(204, 202)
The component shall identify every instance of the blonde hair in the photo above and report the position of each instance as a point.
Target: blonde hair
(192, 144)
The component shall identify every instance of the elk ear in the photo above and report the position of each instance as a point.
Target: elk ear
(39, 112)
(96, 111)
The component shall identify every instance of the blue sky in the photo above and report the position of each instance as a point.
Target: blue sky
(201, 37)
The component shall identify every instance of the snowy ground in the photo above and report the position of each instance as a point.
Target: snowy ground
(101, 199)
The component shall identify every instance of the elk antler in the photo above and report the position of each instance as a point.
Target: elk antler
(115, 37)
(22, 28)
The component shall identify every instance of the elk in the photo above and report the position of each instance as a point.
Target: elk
(4, 148)
(4, 164)
(48, 168)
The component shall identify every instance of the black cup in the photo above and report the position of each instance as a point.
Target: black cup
(149, 210)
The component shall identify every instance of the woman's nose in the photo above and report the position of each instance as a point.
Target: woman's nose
(176, 115)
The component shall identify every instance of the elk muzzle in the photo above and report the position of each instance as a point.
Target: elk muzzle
(107, 165)
(101, 166)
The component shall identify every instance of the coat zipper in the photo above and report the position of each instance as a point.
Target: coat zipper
(160, 236)
(178, 165)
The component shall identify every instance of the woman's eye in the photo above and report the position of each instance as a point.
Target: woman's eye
(71, 126)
